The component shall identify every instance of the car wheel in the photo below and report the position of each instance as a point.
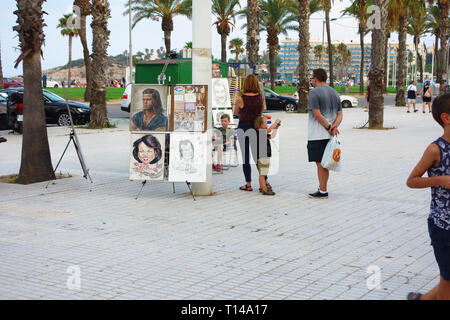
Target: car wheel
(346, 104)
(290, 107)
(63, 119)
(55, 86)
(129, 108)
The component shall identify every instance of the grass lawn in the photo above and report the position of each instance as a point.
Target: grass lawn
(78, 93)
(291, 89)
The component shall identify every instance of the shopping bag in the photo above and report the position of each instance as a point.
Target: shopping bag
(331, 159)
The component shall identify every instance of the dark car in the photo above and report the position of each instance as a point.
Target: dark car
(55, 108)
(274, 101)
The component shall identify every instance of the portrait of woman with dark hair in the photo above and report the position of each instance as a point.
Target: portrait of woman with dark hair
(152, 116)
(148, 155)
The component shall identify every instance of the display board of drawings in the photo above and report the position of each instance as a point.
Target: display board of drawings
(221, 102)
(168, 133)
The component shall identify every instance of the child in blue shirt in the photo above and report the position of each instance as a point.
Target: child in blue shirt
(436, 161)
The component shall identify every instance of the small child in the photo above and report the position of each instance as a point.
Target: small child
(263, 162)
(227, 135)
(436, 160)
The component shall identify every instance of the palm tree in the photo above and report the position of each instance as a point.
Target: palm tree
(276, 18)
(236, 47)
(318, 52)
(1, 69)
(100, 32)
(417, 28)
(252, 45)
(85, 10)
(358, 9)
(66, 30)
(304, 12)
(187, 45)
(36, 162)
(433, 26)
(400, 10)
(225, 12)
(443, 6)
(344, 58)
(377, 69)
(326, 7)
(165, 10)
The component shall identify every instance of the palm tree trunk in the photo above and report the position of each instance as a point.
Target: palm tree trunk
(167, 27)
(330, 51)
(237, 57)
(253, 31)
(100, 15)
(167, 42)
(386, 53)
(1, 69)
(362, 31)
(87, 58)
(36, 163)
(443, 31)
(272, 66)
(70, 60)
(376, 73)
(303, 49)
(223, 38)
(436, 52)
(400, 97)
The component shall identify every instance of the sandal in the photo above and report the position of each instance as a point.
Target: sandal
(268, 192)
(413, 296)
(246, 188)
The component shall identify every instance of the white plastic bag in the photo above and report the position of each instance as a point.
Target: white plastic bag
(331, 159)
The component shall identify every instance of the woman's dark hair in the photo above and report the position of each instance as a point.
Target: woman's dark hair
(157, 104)
(320, 74)
(186, 142)
(149, 141)
(440, 105)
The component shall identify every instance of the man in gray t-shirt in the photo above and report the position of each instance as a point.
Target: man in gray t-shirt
(325, 116)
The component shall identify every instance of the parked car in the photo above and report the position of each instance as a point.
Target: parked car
(53, 83)
(8, 82)
(126, 98)
(294, 82)
(279, 82)
(56, 110)
(347, 101)
(3, 116)
(274, 101)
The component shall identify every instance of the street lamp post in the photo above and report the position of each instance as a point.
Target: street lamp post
(130, 54)
(323, 40)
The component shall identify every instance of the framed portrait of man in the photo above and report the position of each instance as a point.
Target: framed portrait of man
(148, 110)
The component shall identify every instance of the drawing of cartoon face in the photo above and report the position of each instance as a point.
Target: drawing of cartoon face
(146, 154)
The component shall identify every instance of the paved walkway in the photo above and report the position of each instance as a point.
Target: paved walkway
(233, 245)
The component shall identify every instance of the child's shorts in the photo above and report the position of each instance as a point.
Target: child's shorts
(263, 166)
(440, 240)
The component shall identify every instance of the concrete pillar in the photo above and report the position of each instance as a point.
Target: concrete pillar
(201, 74)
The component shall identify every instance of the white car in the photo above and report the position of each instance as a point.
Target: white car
(347, 101)
(126, 98)
(52, 83)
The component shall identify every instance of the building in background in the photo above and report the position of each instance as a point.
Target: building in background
(289, 56)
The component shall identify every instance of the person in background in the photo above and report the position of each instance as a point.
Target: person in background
(426, 96)
(325, 116)
(222, 140)
(411, 91)
(249, 106)
(368, 98)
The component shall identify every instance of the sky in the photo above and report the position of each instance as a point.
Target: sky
(146, 34)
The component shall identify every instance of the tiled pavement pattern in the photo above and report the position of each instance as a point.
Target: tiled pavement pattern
(233, 245)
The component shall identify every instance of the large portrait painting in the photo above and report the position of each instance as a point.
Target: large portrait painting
(148, 109)
(147, 156)
(220, 93)
(188, 157)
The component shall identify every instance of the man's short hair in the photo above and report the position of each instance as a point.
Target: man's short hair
(320, 74)
(225, 116)
(441, 105)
